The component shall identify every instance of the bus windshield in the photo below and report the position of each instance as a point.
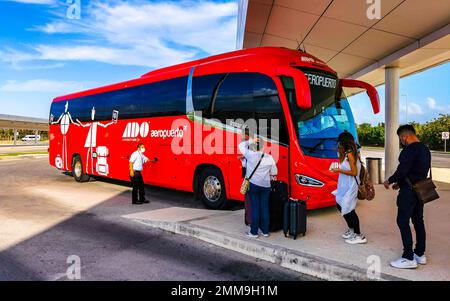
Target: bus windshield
(318, 127)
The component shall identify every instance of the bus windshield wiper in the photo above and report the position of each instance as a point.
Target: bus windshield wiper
(322, 140)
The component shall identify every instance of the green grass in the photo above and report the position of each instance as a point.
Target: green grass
(21, 154)
(376, 147)
(20, 142)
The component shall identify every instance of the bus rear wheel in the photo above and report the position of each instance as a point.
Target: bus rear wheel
(211, 188)
(77, 170)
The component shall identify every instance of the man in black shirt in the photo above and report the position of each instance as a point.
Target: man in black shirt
(415, 162)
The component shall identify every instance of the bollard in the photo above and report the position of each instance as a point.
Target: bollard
(373, 166)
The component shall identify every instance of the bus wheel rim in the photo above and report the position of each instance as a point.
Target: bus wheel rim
(78, 169)
(212, 188)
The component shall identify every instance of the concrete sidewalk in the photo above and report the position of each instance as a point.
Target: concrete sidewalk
(322, 252)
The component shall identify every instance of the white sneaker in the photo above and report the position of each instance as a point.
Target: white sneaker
(265, 234)
(348, 234)
(420, 259)
(250, 235)
(356, 239)
(403, 263)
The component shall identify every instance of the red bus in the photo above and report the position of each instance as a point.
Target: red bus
(191, 115)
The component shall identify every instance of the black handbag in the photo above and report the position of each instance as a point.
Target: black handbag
(425, 189)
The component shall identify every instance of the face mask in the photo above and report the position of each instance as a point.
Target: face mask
(142, 150)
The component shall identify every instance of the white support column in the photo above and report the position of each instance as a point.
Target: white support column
(391, 148)
(36, 133)
(14, 136)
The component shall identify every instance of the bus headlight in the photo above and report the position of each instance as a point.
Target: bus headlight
(308, 181)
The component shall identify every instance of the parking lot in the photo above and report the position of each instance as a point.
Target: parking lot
(45, 216)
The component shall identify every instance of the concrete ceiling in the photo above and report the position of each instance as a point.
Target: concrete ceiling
(411, 34)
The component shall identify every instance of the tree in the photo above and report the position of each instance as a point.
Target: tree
(430, 132)
(369, 135)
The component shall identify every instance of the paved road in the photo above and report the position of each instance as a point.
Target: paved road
(5, 149)
(45, 217)
(438, 159)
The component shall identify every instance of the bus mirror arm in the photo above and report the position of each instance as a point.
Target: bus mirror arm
(371, 91)
(301, 84)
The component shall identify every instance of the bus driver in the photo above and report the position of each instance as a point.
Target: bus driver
(137, 161)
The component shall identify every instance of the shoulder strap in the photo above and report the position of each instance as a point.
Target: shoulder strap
(410, 184)
(362, 165)
(246, 161)
(256, 167)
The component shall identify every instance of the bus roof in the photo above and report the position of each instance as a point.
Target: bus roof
(256, 59)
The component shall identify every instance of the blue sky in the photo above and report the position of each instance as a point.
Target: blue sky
(44, 54)
(423, 96)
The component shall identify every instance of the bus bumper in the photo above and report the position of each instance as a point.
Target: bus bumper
(315, 197)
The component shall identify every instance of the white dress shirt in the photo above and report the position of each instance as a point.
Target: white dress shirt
(266, 168)
(138, 159)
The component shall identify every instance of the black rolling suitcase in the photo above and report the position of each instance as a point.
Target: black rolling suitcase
(294, 218)
(278, 197)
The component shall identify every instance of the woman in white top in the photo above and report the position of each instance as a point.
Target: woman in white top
(259, 190)
(347, 187)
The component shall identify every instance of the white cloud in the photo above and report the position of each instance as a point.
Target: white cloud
(40, 67)
(431, 102)
(414, 109)
(42, 85)
(432, 105)
(48, 2)
(60, 27)
(152, 56)
(21, 60)
(143, 34)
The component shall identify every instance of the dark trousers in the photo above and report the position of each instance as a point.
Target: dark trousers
(410, 208)
(248, 211)
(351, 219)
(138, 187)
(259, 198)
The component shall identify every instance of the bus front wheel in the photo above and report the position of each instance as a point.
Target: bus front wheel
(211, 188)
(77, 170)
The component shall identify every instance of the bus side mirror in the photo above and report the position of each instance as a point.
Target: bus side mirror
(301, 85)
(371, 91)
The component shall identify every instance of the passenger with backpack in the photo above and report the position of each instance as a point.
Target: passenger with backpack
(347, 187)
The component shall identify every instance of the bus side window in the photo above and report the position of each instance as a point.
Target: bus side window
(252, 96)
(235, 98)
(202, 92)
(164, 98)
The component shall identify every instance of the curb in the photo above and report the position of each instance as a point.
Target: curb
(307, 264)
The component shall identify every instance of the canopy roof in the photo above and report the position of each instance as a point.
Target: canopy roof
(412, 34)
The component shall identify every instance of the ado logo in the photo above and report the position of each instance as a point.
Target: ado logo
(133, 130)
